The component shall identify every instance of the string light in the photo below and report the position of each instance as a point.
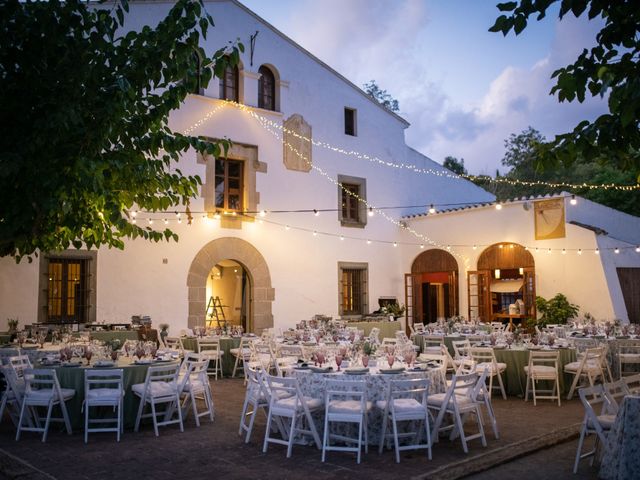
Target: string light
(597, 251)
(579, 251)
(498, 206)
(263, 213)
(316, 212)
(341, 237)
(564, 251)
(315, 234)
(638, 249)
(573, 200)
(368, 242)
(287, 227)
(475, 247)
(395, 244)
(616, 250)
(430, 171)
(166, 222)
(432, 209)
(422, 246)
(549, 251)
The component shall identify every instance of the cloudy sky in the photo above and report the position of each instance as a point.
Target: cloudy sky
(463, 89)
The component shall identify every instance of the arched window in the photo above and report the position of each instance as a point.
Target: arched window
(229, 84)
(266, 89)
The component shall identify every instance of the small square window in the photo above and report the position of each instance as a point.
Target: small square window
(350, 119)
(352, 197)
(353, 288)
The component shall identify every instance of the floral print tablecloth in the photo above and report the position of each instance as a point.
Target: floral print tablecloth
(621, 459)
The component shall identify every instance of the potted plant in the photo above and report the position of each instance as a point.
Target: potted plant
(557, 310)
(12, 324)
(394, 310)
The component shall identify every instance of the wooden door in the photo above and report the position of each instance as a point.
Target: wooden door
(411, 299)
(452, 297)
(479, 295)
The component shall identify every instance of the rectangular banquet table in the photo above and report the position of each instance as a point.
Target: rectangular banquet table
(73, 377)
(122, 335)
(387, 328)
(226, 344)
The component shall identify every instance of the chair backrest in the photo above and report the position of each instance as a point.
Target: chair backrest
(415, 388)
(582, 344)
(461, 348)
(482, 354)
(208, 344)
(195, 370)
(592, 398)
(418, 327)
(615, 391)
(283, 387)
(389, 341)
(162, 373)
(172, 343)
(544, 358)
(15, 385)
(346, 390)
(374, 335)
(19, 363)
(475, 339)
(111, 378)
(497, 326)
(38, 379)
(433, 340)
(294, 351)
(283, 364)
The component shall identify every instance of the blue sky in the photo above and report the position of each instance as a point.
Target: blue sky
(463, 89)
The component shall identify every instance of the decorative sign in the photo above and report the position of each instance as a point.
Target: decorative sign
(297, 134)
(549, 219)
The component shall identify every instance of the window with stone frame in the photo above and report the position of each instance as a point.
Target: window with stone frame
(353, 288)
(67, 287)
(352, 195)
(229, 184)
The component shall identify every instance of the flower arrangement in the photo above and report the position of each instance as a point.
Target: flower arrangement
(369, 348)
(12, 324)
(393, 309)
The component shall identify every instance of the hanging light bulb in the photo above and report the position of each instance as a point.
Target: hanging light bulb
(475, 247)
(448, 247)
(616, 250)
(564, 251)
(178, 214)
(521, 270)
(549, 251)
(579, 251)
(150, 221)
(498, 206)
(638, 249)
(287, 227)
(263, 213)
(371, 211)
(341, 237)
(166, 222)
(315, 234)
(501, 246)
(134, 213)
(179, 220)
(597, 251)
(432, 209)
(316, 212)
(368, 242)
(395, 244)
(422, 246)
(574, 200)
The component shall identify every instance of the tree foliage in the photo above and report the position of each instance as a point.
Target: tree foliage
(610, 69)
(85, 109)
(455, 165)
(381, 96)
(521, 152)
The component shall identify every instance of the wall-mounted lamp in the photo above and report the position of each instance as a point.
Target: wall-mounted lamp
(497, 273)
(521, 271)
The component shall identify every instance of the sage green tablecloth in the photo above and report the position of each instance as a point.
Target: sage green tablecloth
(122, 335)
(515, 379)
(73, 377)
(226, 344)
(387, 328)
(5, 338)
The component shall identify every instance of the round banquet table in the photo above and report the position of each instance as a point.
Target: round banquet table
(621, 459)
(73, 377)
(313, 385)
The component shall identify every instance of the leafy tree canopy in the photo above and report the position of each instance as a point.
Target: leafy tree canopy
(609, 69)
(381, 96)
(521, 152)
(455, 165)
(85, 109)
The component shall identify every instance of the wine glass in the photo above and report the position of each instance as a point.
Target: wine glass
(338, 361)
(365, 361)
(390, 359)
(114, 355)
(88, 353)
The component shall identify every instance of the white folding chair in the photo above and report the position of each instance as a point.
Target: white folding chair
(460, 349)
(42, 389)
(103, 388)
(345, 402)
(486, 358)
(13, 394)
(432, 343)
(160, 387)
(374, 335)
(590, 367)
(406, 400)
(543, 366)
(172, 343)
(480, 394)
(256, 397)
(210, 348)
(284, 365)
(287, 402)
(615, 393)
(628, 354)
(193, 386)
(457, 401)
(591, 398)
(241, 354)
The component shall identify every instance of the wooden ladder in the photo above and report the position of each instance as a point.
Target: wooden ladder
(217, 312)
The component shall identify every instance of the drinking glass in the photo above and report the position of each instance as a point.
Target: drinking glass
(390, 359)
(338, 361)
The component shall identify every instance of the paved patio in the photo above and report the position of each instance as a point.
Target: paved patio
(216, 451)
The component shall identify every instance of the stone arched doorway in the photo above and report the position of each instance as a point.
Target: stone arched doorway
(262, 293)
(432, 287)
(505, 277)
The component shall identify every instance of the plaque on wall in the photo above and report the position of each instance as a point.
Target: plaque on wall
(297, 144)
(549, 219)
